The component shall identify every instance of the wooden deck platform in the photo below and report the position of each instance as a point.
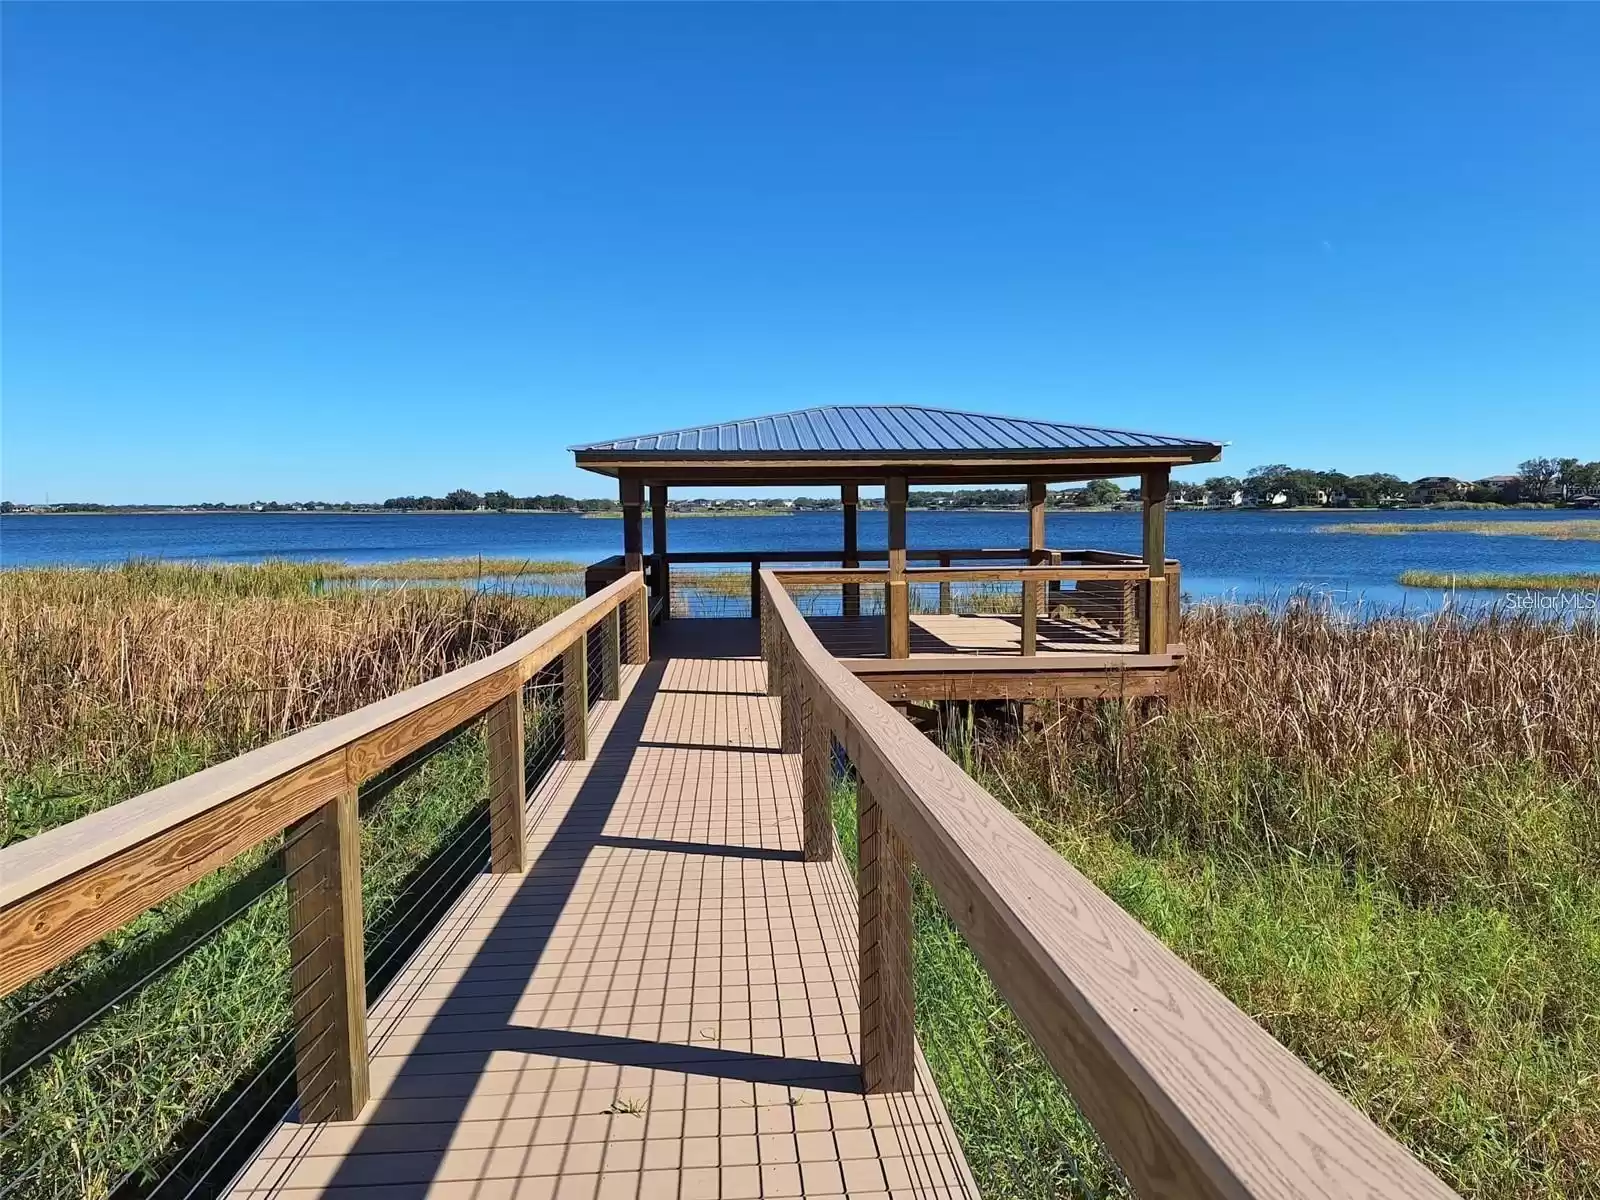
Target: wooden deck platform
(664, 1005)
(982, 634)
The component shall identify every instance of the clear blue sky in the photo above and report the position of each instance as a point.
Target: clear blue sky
(351, 251)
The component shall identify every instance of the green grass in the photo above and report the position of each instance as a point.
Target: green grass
(116, 1096)
(1465, 1028)
(1499, 582)
(1573, 530)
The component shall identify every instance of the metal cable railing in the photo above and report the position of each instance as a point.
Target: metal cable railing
(150, 1063)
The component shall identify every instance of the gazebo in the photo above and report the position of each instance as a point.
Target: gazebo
(1084, 612)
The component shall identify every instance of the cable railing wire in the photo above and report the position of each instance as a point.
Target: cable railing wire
(425, 837)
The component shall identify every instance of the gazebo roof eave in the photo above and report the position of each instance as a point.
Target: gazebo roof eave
(747, 468)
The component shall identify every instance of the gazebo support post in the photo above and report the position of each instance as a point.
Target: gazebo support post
(1031, 590)
(658, 547)
(1158, 604)
(896, 603)
(850, 502)
(630, 492)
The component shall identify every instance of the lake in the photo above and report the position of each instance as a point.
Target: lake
(1244, 554)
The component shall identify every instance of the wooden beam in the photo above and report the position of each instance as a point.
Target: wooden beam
(327, 968)
(1153, 495)
(896, 603)
(850, 504)
(575, 702)
(1005, 685)
(508, 813)
(946, 597)
(1036, 544)
(823, 468)
(658, 546)
(49, 926)
(888, 1003)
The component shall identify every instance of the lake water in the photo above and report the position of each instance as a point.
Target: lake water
(1241, 554)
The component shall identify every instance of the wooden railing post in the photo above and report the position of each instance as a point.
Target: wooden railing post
(888, 1004)
(575, 700)
(946, 598)
(1031, 589)
(789, 703)
(755, 590)
(1030, 617)
(771, 647)
(816, 772)
(328, 978)
(1153, 490)
(896, 600)
(637, 650)
(508, 813)
(611, 656)
(850, 593)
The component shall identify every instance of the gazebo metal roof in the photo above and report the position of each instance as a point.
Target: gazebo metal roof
(870, 440)
(886, 429)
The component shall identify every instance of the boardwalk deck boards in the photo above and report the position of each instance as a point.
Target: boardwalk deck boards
(665, 1004)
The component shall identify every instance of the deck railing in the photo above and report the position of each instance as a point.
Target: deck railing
(1111, 591)
(1189, 1095)
(63, 891)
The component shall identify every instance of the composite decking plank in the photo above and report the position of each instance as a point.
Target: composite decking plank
(665, 1004)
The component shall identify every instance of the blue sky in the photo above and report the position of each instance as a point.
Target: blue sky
(352, 251)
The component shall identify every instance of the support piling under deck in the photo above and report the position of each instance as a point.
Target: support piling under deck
(665, 1004)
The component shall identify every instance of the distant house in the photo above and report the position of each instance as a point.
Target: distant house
(1495, 482)
(1584, 501)
(1443, 483)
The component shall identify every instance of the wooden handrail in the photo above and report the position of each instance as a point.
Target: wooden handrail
(66, 888)
(677, 557)
(1190, 1095)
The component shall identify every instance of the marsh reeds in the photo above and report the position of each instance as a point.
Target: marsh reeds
(1576, 529)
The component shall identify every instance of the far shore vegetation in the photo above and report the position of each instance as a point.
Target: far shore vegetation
(1569, 530)
(1538, 482)
(1381, 839)
(1493, 581)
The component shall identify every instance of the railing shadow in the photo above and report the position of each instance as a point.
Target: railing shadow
(504, 963)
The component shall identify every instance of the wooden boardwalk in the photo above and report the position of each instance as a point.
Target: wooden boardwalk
(664, 1005)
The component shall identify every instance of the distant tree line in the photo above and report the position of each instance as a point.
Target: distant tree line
(1537, 481)
(462, 500)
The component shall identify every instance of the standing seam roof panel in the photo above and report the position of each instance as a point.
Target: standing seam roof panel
(973, 433)
(948, 430)
(899, 428)
(905, 431)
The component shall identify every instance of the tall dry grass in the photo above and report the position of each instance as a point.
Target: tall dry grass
(1382, 840)
(1447, 753)
(118, 679)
